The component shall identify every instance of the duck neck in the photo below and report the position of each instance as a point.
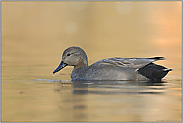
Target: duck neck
(82, 63)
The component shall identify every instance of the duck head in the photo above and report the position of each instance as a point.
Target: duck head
(73, 56)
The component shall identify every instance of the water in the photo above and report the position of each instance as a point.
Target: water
(34, 35)
(56, 100)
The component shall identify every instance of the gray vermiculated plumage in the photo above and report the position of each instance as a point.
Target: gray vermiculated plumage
(111, 68)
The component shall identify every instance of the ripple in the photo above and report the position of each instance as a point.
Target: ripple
(47, 80)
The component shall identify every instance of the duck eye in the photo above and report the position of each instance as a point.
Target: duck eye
(68, 54)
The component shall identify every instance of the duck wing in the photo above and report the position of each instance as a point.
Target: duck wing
(127, 62)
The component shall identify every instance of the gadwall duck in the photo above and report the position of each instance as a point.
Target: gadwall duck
(111, 68)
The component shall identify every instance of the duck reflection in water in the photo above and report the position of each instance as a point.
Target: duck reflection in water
(117, 87)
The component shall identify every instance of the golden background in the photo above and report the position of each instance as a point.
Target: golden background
(34, 35)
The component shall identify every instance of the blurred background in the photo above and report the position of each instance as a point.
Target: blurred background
(34, 35)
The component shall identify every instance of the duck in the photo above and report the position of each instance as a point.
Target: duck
(109, 69)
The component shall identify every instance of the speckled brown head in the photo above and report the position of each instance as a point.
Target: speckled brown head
(73, 56)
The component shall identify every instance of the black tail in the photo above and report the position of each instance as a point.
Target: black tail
(158, 58)
(154, 72)
(167, 70)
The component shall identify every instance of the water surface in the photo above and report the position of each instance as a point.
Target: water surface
(34, 35)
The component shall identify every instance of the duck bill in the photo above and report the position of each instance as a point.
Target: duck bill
(61, 66)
